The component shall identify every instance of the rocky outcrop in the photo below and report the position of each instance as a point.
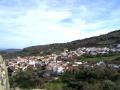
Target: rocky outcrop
(4, 82)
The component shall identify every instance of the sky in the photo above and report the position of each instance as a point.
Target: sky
(26, 23)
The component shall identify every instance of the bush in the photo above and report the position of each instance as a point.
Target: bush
(108, 85)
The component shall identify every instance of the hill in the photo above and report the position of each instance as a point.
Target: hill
(108, 39)
(10, 53)
(11, 50)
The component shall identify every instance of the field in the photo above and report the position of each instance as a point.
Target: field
(99, 58)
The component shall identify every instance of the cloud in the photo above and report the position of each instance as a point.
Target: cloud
(33, 22)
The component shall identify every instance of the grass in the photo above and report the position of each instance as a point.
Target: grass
(99, 58)
(55, 86)
(26, 89)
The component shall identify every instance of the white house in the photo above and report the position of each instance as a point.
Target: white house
(60, 70)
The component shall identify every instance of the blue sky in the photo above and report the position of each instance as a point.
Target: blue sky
(36, 22)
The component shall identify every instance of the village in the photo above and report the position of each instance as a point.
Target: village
(58, 64)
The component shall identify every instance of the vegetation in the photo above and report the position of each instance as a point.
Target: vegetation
(98, 78)
(92, 79)
(55, 86)
(96, 58)
(27, 79)
(98, 41)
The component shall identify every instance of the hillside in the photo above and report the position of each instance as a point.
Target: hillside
(11, 50)
(97, 41)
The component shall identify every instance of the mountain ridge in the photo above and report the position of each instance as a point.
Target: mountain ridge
(10, 50)
(96, 41)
